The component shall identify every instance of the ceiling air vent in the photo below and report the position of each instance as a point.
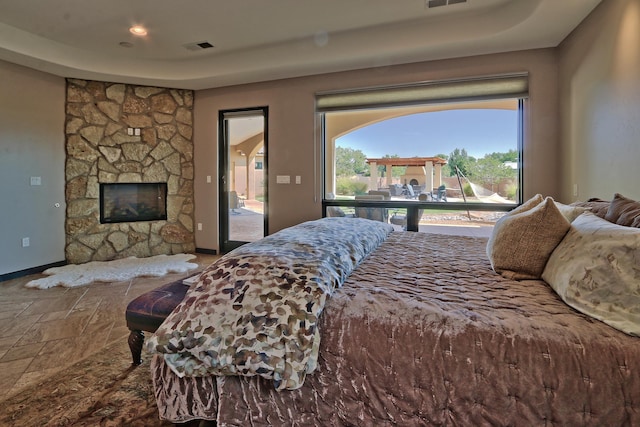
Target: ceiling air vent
(198, 45)
(437, 3)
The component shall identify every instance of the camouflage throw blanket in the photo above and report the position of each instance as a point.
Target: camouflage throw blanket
(255, 310)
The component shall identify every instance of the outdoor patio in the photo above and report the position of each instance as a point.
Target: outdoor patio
(246, 225)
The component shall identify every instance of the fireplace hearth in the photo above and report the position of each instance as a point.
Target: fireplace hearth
(132, 202)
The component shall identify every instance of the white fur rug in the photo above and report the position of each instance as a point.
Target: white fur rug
(119, 270)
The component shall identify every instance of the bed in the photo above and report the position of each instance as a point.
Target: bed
(413, 329)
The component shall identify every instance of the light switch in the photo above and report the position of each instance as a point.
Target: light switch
(136, 131)
(36, 180)
(298, 179)
(208, 179)
(130, 131)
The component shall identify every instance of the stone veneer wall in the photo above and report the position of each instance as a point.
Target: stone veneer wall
(100, 150)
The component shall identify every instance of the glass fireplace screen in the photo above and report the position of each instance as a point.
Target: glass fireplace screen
(129, 202)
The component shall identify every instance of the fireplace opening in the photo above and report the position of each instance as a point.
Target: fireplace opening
(130, 202)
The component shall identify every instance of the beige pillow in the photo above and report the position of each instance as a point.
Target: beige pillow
(529, 204)
(624, 211)
(523, 240)
(596, 270)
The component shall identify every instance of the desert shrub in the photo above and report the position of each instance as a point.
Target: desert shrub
(348, 187)
(468, 191)
(510, 191)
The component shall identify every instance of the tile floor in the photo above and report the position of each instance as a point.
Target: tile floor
(45, 330)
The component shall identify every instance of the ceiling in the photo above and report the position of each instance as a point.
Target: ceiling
(259, 40)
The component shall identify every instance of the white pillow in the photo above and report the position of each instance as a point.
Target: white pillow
(596, 270)
(571, 212)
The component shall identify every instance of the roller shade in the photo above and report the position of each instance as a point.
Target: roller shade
(472, 89)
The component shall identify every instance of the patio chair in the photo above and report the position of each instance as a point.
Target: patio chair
(376, 214)
(395, 190)
(234, 202)
(401, 220)
(409, 193)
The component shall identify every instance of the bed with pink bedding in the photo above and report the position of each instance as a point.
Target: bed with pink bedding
(391, 328)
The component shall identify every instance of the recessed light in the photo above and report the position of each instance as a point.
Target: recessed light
(138, 30)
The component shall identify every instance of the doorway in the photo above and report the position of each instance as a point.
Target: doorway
(243, 176)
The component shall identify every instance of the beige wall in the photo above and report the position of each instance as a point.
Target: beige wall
(599, 71)
(31, 145)
(292, 129)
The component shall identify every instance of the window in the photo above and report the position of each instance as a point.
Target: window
(454, 142)
(258, 165)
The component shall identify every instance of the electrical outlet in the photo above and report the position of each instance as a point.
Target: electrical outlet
(199, 226)
(25, 242)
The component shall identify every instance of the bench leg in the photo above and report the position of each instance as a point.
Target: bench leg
(136, 339)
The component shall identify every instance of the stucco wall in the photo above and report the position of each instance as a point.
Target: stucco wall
(31, 145)
(293, 150)
(599, 74)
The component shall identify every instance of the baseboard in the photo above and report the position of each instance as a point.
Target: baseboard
(32, 270)
(206, 251)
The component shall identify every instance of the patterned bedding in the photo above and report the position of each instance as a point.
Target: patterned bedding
(423, 332)
(255, 311)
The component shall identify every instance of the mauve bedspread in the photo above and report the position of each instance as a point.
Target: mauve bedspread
(423, 332)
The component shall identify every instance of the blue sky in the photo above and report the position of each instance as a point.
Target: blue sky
(426, 134)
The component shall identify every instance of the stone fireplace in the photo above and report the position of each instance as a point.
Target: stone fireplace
(127, 134)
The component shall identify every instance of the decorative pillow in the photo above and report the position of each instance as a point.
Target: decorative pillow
(529, 204)
(624, 211)
(597, 206)
(596, 270)
(522, 240)
(571, 212)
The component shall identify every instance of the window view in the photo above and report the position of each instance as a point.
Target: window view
(460, 155)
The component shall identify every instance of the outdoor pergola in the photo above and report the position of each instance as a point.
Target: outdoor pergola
(426, 171)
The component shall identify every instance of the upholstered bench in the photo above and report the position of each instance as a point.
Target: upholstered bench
(148, 311)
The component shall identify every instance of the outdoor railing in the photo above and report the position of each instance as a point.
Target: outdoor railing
(413, 207)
